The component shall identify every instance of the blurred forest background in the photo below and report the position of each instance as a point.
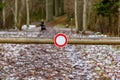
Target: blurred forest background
(94, 15)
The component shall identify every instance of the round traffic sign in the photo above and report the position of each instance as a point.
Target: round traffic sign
(60, 40)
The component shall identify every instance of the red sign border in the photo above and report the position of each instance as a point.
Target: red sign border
(66, 39)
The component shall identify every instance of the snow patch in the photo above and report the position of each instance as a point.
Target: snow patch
(25, 27)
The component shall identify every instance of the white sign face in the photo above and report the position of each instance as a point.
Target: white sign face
(60, 40)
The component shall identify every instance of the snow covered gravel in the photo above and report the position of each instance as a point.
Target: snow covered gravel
(47, 62)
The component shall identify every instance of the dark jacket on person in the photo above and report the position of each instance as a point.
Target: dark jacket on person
(42, 25)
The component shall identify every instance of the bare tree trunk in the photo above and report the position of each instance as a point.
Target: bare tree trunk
(20, 15)
(3, 13)
(62, 7)
(56, 8)
(76, 17)
(84, 15)
(119, 23)
(49, 10)
(16, 14)
(28, 13)
(71, 25)
(80, 15)
(59, 7)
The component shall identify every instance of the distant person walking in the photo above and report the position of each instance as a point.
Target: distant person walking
(42, 25)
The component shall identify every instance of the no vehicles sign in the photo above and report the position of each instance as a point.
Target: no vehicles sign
(60, 40)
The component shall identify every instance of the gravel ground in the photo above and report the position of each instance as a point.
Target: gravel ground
(47, 62)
